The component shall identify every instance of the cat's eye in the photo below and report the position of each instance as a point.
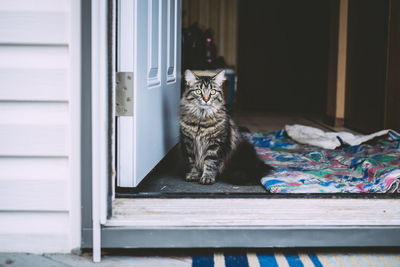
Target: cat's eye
(213, 92)
(198, 91)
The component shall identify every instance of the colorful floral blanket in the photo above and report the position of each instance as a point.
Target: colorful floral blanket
(366, 168)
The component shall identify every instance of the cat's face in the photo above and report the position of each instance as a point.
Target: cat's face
(204, 91)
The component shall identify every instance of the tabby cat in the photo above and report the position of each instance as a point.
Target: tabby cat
(211, 143)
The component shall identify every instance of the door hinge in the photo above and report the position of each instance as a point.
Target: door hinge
(124, 94)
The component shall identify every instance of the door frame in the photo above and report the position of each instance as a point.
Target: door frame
(96, 159)
(97, 118)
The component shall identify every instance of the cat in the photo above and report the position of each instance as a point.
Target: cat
(212, 146)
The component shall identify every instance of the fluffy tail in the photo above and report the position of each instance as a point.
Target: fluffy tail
(245, 167)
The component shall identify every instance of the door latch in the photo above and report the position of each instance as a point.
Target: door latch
(124, 94)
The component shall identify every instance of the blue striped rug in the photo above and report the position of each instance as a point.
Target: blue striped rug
(297, 260)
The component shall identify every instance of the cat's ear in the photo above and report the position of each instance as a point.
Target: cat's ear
(190, 77)
(219, 78)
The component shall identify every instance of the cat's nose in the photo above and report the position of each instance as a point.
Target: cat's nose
(206, 98)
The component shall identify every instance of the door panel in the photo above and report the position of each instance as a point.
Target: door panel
(171, 40)
(366, 66)
(154, 45)
(156, 81)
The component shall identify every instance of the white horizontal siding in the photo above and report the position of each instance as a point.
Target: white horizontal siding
(36, 232)
(34, 73)
(35, 168)
(33, 57)
(33, 84)
(30, 222)
(33, 140)
(34, 22)
(30, 194)
(37, 113)
(35, 125)
(33, 27)
(35, 6)
(34, 243)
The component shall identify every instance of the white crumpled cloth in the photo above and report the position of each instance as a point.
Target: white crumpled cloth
(329, 140)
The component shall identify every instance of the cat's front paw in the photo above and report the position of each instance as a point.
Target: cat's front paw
(192, 177)
(207, 180)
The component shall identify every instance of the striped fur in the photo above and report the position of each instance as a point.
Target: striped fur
(210, 140)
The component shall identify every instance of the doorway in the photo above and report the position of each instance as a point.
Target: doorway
(149, 220)
(280, 65)
(280, 54)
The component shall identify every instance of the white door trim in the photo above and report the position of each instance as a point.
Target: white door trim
(100, 112)
(75, 122)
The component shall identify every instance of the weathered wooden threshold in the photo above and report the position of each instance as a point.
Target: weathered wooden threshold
(250, 223)
(162, 213)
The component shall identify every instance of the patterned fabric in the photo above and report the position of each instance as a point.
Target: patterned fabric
(365, 168)
(296, 259)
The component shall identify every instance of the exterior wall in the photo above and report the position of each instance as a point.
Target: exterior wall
(39, 125)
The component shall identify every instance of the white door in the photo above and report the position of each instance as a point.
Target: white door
(149, 46)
